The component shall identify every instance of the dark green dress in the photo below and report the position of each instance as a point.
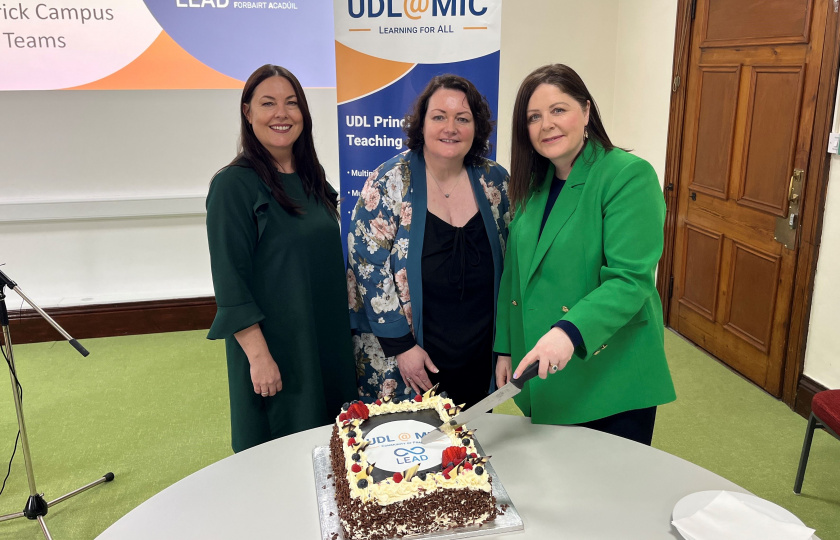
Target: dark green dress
(286, 273)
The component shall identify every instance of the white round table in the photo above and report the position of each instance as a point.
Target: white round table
(565, 482)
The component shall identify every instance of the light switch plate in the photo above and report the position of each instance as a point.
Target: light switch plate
(833, 143)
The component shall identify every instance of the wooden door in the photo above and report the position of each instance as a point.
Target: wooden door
(749, 113)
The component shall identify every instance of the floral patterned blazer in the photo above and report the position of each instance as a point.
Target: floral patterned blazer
(385, 246)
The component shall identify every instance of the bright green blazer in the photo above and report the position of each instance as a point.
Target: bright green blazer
(593, 265)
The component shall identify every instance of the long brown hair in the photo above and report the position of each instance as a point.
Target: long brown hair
(527, 167)
(479, 108)
(307, 164)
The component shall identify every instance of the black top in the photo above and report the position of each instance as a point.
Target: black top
(457, 269)
(553, 192)
(458, 302)
(458, 307)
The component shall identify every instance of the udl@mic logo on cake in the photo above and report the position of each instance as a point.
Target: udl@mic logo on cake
(395, 446)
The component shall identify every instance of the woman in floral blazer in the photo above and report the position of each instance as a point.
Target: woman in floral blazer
(425, 253)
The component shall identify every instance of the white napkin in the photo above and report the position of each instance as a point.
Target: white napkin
(727, 518)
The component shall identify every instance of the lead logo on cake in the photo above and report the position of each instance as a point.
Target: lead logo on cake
(395, 446)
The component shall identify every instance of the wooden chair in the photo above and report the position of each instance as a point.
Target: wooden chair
(825, 414)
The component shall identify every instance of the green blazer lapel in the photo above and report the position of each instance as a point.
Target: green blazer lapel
(564, 207)
(529, 228)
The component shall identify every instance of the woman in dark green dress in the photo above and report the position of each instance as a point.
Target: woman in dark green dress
(276, 259)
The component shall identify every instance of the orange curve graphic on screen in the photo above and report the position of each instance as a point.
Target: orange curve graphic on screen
(165, 65)
(359, 74)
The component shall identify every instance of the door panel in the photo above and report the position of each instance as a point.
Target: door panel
(756, 22)
(770, 142)
(715, 127)
(753, 286)
(702, 268)
(751, 86)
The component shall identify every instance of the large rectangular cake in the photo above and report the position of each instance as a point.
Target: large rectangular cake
(388, 484)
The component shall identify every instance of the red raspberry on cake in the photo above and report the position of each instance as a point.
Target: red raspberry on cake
(356, 468)
(358, 410)
(398, 477)
(454, 454)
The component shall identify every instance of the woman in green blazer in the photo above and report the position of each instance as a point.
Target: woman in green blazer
(577, 292)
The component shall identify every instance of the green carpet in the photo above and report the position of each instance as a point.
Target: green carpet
(153, 409)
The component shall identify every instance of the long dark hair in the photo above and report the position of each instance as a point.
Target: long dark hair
(303, 150)
(527, 167)
(480, 109)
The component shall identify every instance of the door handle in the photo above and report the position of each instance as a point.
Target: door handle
(795, 185)
(786, 226)
(794, 191)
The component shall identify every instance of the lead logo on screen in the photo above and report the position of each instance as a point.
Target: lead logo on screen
(395, 446)
(421, 31)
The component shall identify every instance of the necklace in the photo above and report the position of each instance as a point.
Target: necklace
(445, 194)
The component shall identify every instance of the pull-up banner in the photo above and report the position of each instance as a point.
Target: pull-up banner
(161, 44)
(386, 51)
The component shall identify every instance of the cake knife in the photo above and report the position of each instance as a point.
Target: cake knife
(513, 387)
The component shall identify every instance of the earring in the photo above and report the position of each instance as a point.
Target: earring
(585, 132)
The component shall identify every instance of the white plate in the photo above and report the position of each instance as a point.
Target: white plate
(690, 504)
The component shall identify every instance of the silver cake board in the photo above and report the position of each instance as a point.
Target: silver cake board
(507, 520)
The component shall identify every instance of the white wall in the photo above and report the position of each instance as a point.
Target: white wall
(59, 263)
(644, 54)
(821, 355)
(101, 192)
(581, 35)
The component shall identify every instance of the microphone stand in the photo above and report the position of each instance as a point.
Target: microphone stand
(36, 507)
